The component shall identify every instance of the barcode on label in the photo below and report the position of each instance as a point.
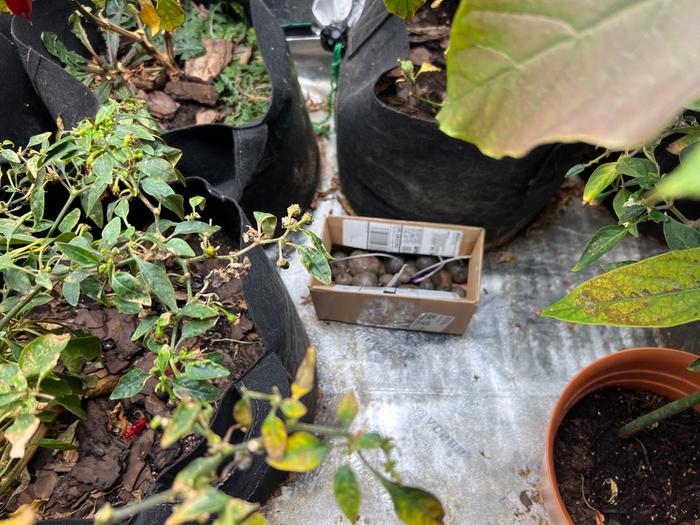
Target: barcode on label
(378, 237)
(399, 238)
(431, 322)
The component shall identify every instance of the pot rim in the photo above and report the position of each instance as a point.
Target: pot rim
(589, 379)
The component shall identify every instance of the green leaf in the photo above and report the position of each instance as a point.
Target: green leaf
(602, 242)
(198, 506)
(304, 453)
(17, 280)
(347, 493)
(197, 327)
(347, 409)
(414, 506)
(144, 326)
(180, 247)
(274, 435)
(184, 388)
(636, 167)
(79, 350)
(191, 227)
(70, 221)
(318, 244)
(55, 444)
(130, 384)
(404, 8)
(602, 177)
(156, 188)
(110, 233)
(180, 424)
(370, 440)
(39, 357)
(20, 432)
(37, 201)
(266, 223)
(71, 286)
(657, 292)
(205, 369)
(130, 288)
(198, 311)
(315, 263)
(521, 74)
(157, 168)
(574, 170)
(680, 236)
(11, 378)
(171, 14)
(158, 281)
(79, 254)
(43, 279)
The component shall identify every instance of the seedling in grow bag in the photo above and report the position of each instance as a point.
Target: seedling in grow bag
(193, 63)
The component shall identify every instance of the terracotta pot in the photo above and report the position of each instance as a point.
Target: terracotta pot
(660, 370)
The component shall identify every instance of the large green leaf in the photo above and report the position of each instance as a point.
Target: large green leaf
(657, 292)
(609, 72)
(157, 280)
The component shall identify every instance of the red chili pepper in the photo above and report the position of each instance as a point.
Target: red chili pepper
(136, 428)
(21, 8)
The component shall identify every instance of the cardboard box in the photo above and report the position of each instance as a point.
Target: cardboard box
(401, 308)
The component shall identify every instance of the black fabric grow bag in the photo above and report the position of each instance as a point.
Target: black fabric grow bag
(277, 323)
(278, 154)
(23, 114)
(397, 166)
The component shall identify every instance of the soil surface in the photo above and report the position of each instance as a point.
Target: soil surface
(116, 460)
(653, 477)
(428, 36)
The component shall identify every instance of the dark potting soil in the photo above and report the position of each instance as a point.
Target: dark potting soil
(114, 461)
(653, 477)
(428, 36)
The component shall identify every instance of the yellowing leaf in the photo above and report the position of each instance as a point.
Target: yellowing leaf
(25, 515)
(657, 292)
(304, 453)
(4, 9)
(274, 436)
(414, 506)
(347, 409)
(149, 16)
(243, 413)
(427, 67)
(171, 14)
(306, 375)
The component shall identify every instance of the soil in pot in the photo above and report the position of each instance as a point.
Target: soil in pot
(653, 477)
(117, 456)
(428, 36)
(223, 77)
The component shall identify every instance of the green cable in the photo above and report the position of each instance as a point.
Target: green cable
(321, 128)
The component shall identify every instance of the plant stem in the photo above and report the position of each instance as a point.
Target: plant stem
(25, 300)
(666, 411)
(167, 61)
(61, 214)
(124, 513)
(320, 429)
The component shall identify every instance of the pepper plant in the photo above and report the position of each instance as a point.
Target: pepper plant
(96, 247)
(659, 291)
(288, 445)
